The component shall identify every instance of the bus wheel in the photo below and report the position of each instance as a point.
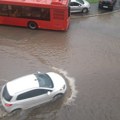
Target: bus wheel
(32, 25)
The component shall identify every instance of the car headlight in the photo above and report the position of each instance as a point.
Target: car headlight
(62, 88)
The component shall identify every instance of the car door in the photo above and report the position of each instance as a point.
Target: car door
(32, 98)
(43, 96)
(75, 7)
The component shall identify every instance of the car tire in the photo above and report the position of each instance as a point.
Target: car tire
(111, 8)
(85, 10)
(57, 97)
(16, 110)
(32, 25)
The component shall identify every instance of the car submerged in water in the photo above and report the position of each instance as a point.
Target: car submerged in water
(32, 90)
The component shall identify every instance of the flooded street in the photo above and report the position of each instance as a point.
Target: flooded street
(87, 56)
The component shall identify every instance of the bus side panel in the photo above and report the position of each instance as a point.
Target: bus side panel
(12, 21)
(24, 22)
(1, 20)
(53, 24)
(43, 24)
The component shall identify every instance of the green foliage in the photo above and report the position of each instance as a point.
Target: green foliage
(93, 1)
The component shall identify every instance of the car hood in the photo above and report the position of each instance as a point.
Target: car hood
(58, 80)
(87, 4)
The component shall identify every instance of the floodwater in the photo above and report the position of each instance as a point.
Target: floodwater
(87, 56)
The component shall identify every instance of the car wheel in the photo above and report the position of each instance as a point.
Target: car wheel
(32, 25)
(57, 97)
(85, 10)
(16, 110)
(111, 8)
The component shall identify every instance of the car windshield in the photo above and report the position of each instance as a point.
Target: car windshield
(44, 80)
(80, 1)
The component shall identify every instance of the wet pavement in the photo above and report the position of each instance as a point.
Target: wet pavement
(87, 56)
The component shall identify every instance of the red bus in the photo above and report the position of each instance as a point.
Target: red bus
(44, 14)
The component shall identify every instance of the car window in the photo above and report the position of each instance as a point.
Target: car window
(74, 4)
(32, 93)
(81, 1)
(6, 94)
(44, 80)
(71, 4)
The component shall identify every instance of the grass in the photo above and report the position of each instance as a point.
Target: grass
(93, 1)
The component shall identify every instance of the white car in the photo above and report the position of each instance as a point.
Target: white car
(32, 90)
(79, 6)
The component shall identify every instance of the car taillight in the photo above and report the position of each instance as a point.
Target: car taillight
(8, 105)
(62, 88)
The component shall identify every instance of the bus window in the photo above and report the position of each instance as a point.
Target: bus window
(45, 14)
(3, 10)
(14, 11)
(36, 13)
(26, 12)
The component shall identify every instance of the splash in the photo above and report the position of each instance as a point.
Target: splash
(71, 82)
(2, 112)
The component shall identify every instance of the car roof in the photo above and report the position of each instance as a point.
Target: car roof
(22, 83)
(74, 1)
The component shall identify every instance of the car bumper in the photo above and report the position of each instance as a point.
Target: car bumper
(105, 6)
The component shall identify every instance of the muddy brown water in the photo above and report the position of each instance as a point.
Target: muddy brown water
(87, 55)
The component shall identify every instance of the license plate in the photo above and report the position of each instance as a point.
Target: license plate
(105, 6)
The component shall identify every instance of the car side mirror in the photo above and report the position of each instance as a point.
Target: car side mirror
(48, 92)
